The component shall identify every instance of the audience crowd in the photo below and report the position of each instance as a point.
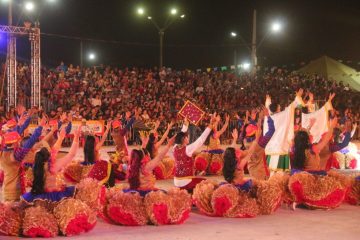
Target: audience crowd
(104, 92)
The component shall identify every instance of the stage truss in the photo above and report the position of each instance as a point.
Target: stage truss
(34, 38)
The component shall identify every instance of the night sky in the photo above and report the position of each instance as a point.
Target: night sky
(312, 28)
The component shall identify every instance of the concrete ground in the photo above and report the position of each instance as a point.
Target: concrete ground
(302, 224)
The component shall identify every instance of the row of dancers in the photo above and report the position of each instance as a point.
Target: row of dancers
(46, 193)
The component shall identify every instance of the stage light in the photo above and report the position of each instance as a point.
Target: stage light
(173, 11)
(29, 6)
(182, 16)
(149, 17)
(233, 34)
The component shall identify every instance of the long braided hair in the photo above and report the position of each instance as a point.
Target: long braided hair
(41, 158)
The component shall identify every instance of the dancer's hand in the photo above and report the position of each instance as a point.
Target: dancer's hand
(300, 92)
(63, 133)
(186, 122)
(235, 134)
(227, 118)
(331, 97)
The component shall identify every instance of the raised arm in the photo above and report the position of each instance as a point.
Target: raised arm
(263, 140)
(298, 99)
(185, 126)
(21, 128)
(235, 136)
(50, 134)
(325, 140)
(59, 141)
(20, 153)
(58, 164)
(164, 136)
(68, 128)
(223, 129)
(268, 101)
(190, 149)
(155, 161)
(104, 136)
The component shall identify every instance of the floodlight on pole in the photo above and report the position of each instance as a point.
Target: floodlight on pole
(140, 11)
(276, 27)
(173, 11)
(245, 66)
(172, 16)
(29, 6)
(233, 34)
(92, 56)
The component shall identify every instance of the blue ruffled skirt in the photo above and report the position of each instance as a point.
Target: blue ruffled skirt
(49, 196)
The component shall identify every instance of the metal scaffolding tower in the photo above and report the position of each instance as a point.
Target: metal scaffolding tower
(34, 37)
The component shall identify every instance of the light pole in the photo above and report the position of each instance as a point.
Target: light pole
(161, 30)
(235, 35)
(276, 27)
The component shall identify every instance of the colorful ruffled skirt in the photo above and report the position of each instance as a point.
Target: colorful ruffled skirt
(210, 161)
(69, 212)
(136, 208)
(237, 201)
(165, 169)
(100, 171)
(320, 189)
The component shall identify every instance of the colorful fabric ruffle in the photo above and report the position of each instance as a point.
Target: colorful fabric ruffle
(10, 220)
(129, 208)
(49, 196)
(100, 170)
(211, 161)
(165, 169)
(319, 191)
(38, 222)
(74, 217)
(353, 195)
(245, 200)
